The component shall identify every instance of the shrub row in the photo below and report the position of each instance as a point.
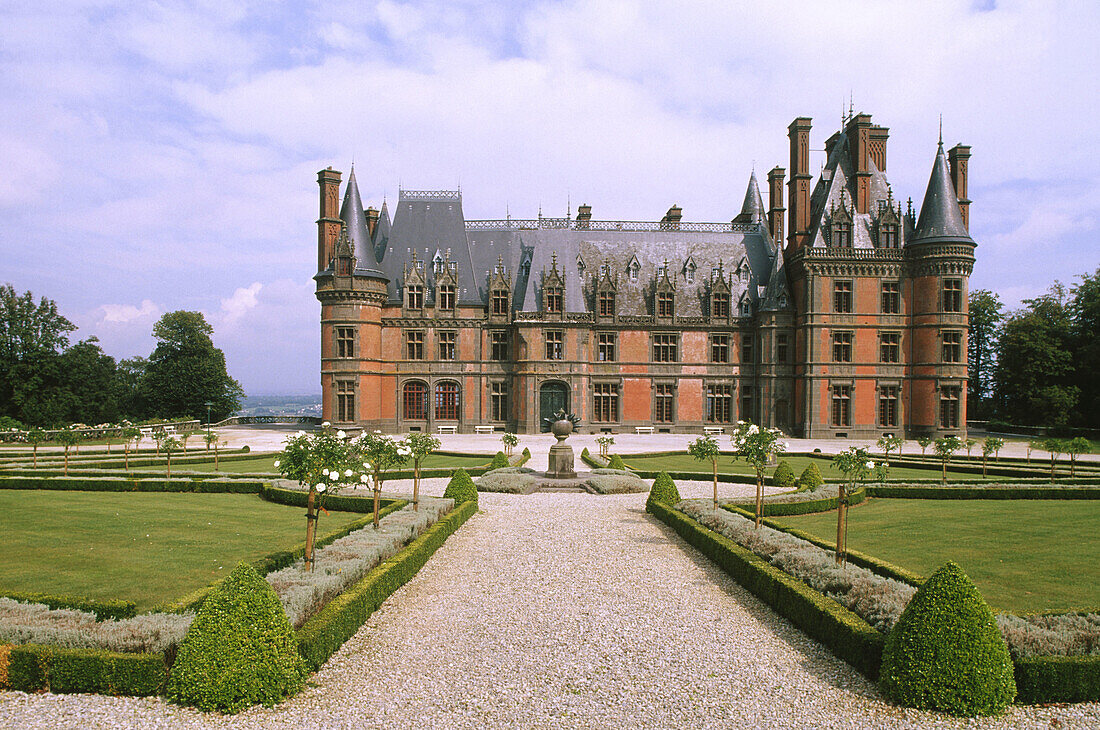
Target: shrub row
(121, 484)
(700, 476)
(592, 461)
(334, 624)
(846, 634)
(784, 509)
(136, 473)
(988, 492)
(32, 667)
(337, 502)
(524, 457)
(1044, 679)
(101, 609)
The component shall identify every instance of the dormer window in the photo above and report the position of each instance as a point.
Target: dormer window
(437, 264)
(554, 300)
(720, 304)
(580, 266)
(689, 272)
(499, 301)
(446, 297)
(888, 235)
(665, 304)
(607, 303)
(744, 308)
(633, 269)
(414, 296)
(840, 227)
(605, 270)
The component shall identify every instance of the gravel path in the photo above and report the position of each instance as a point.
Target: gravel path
(561, 610)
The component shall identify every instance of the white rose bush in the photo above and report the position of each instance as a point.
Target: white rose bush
(757, 447)
(856, 465)
(378, 453)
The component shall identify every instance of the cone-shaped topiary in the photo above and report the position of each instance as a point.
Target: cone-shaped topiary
(784, 476)
(664, 490)
(240, 649)
(946, 652)
(616, 462)
(499, 461)
(810, 478)
(461, 488)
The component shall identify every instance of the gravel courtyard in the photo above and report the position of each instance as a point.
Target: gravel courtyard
(561, 610)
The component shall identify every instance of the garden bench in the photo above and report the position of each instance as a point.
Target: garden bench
(483, 429)
(713, 430)
(446, 429)
(643, 429)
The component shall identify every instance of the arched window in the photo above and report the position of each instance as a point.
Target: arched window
(415, 401)
(446, 401)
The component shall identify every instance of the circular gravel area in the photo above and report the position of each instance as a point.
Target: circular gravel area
(562, 610)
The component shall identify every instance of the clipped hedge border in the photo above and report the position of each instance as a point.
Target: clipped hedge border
(990, 492)
(524, 457)
(139, 474)
(323, 634)
(116, 609)
(820, 617)
(594, 462)
(120, 484)
(785, 509)
(34, 667)
(1044, 679)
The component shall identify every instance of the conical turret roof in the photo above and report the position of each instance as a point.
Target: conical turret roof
(940, 216)
(355, 219)
(752, 210)
(382, 232)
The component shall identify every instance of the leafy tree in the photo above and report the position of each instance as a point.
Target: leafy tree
(88, 383)
(945, 448)
(68, 438)
(924, 442)
(605, 443)
(1034, 373)
(1054, 447)
(420, 444)
(1073, 447)
(128, 395)
(1085, 340)
(856, 465)
(379, 454)
(981, 344)
(509, 439)
(991, 445)
(1034, 445)
(757, 447)
(890, 443)
(969, 444)
(34, 437)
(211, 438)
(170, 444)
(32, 336)
(130, 434)
(705, 448)
(186, 370)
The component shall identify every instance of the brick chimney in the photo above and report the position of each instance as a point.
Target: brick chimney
(799, 184)
(584, 214)
(958, 159)
(372, 220)
(859, 146)
(775, 204)
(328, 224)
(878, 136)
(672, 217)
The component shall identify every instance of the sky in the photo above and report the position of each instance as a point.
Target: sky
(163, 156)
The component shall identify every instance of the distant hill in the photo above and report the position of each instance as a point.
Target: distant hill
(280, 405)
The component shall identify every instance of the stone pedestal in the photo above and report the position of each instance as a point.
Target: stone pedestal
(561, 461)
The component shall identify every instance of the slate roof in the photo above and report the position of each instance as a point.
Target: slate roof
(355, 223)
(940, 216)
(428, 222)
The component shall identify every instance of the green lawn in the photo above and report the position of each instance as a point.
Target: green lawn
(266, 463)
(726, 465)
(145, 547)
(1024, 555)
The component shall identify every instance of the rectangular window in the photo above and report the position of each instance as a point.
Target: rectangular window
(781, 348)
(345, 400)
(446, 402)
(554, 349)
(662, 402)
(952, 346)
(891, 297)
(842, 405)
(664, 304)
(842, 297)
(665, 348)
(414, 345)
(720, 403)
(607, 304)
(500, 301)
(606, 403)
(888, 406)
(498, 401)
(720, 305)
(949, 406)
(842, 347)
(890, 347)
(498, 345)
(447, 297)
(747, 412)
(415, 297)
(719, 348)
(605, 347)
(345, 342)
(447, 345)
(952, 295)
(554, 301)
(748, 350)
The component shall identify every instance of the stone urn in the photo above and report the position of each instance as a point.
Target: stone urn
(561, 453)
(561, 429)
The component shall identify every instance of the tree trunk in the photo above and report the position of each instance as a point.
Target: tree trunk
(714, 463)
(215, 457)
(1072, 466)
(311, 527)
(1052, 467)
(169, 459)
(983, 465)
(416, 485)
(67, 461)
(759, 496)
(377, 496)
(840, 505)
(127, 457)
(36, 456)
(944, 481)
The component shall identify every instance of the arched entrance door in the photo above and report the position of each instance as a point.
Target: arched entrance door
(553, 396)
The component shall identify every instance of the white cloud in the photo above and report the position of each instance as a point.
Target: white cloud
(126, 313)
(243, 300)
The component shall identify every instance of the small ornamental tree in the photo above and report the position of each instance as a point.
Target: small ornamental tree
(211, 439)
(34, 437)
(945, 448)
(616, 462)
(991, 445)
(1074, 447)
(969, 444)
(757, 447)
(170, 444)
(379, 454)
(129, 434)
(705, 448)
(510, 440)
(500, 461)
(1055, 447)
(461, 488)
(420, 444)
(158, 438)
(68, 438)
(887, 444)
(810, 478)
(783, 476)
(1034, 445)
(856, 465)
(924, 442)
(663, 491)
(605, 443)
(184, 435)
(311, 459)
